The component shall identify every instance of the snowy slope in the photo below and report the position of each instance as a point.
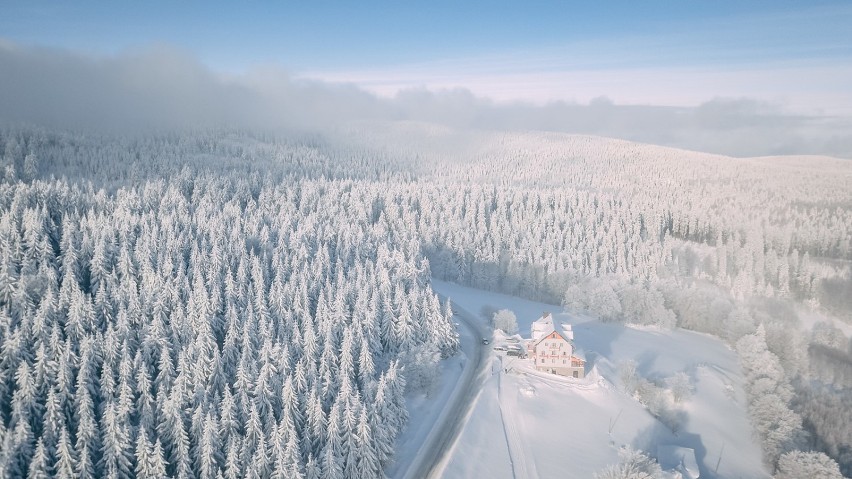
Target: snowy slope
(558, 427)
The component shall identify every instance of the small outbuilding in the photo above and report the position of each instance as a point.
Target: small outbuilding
(678, 459)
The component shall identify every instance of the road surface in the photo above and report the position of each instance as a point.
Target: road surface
(433, 454)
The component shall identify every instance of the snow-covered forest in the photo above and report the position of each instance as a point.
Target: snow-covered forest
(207, 325)
(255, 305)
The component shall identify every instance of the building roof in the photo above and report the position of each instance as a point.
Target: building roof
(542, 324)
(545, 325)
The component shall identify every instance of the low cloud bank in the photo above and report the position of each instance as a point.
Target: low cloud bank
(161, 88)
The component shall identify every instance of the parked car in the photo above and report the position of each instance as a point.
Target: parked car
(516, 352)
(485, 341)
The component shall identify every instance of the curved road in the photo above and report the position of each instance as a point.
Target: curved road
(434, 453)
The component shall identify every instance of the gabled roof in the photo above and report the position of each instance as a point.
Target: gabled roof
(563, 330)
(542, 324)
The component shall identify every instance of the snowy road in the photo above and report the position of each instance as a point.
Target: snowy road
(433, 454)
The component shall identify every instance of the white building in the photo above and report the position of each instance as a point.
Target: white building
(552, 348)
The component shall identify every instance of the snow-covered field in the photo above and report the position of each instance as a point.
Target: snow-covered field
(528, 424)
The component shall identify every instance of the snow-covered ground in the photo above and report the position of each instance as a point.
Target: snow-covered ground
(528, 424)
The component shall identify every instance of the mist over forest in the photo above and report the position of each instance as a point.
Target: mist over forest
(163, 88)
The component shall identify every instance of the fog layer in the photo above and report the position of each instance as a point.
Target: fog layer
(161, 88)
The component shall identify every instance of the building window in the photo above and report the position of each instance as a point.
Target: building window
(563, 361)
(576, 374)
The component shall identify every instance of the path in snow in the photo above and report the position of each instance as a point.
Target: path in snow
(522, 466)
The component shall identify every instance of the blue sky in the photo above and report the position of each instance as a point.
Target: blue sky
(794, 54)
(322, 35)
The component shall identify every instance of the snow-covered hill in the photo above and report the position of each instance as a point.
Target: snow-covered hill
(527, 424)
(293, 254)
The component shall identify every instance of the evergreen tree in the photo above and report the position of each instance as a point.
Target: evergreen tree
(368, 460)
(40, 468)
(66, 463)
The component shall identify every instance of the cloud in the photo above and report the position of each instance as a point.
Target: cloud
(156, 87)
(163, 88)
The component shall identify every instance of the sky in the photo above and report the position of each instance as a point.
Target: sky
(782, 61)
